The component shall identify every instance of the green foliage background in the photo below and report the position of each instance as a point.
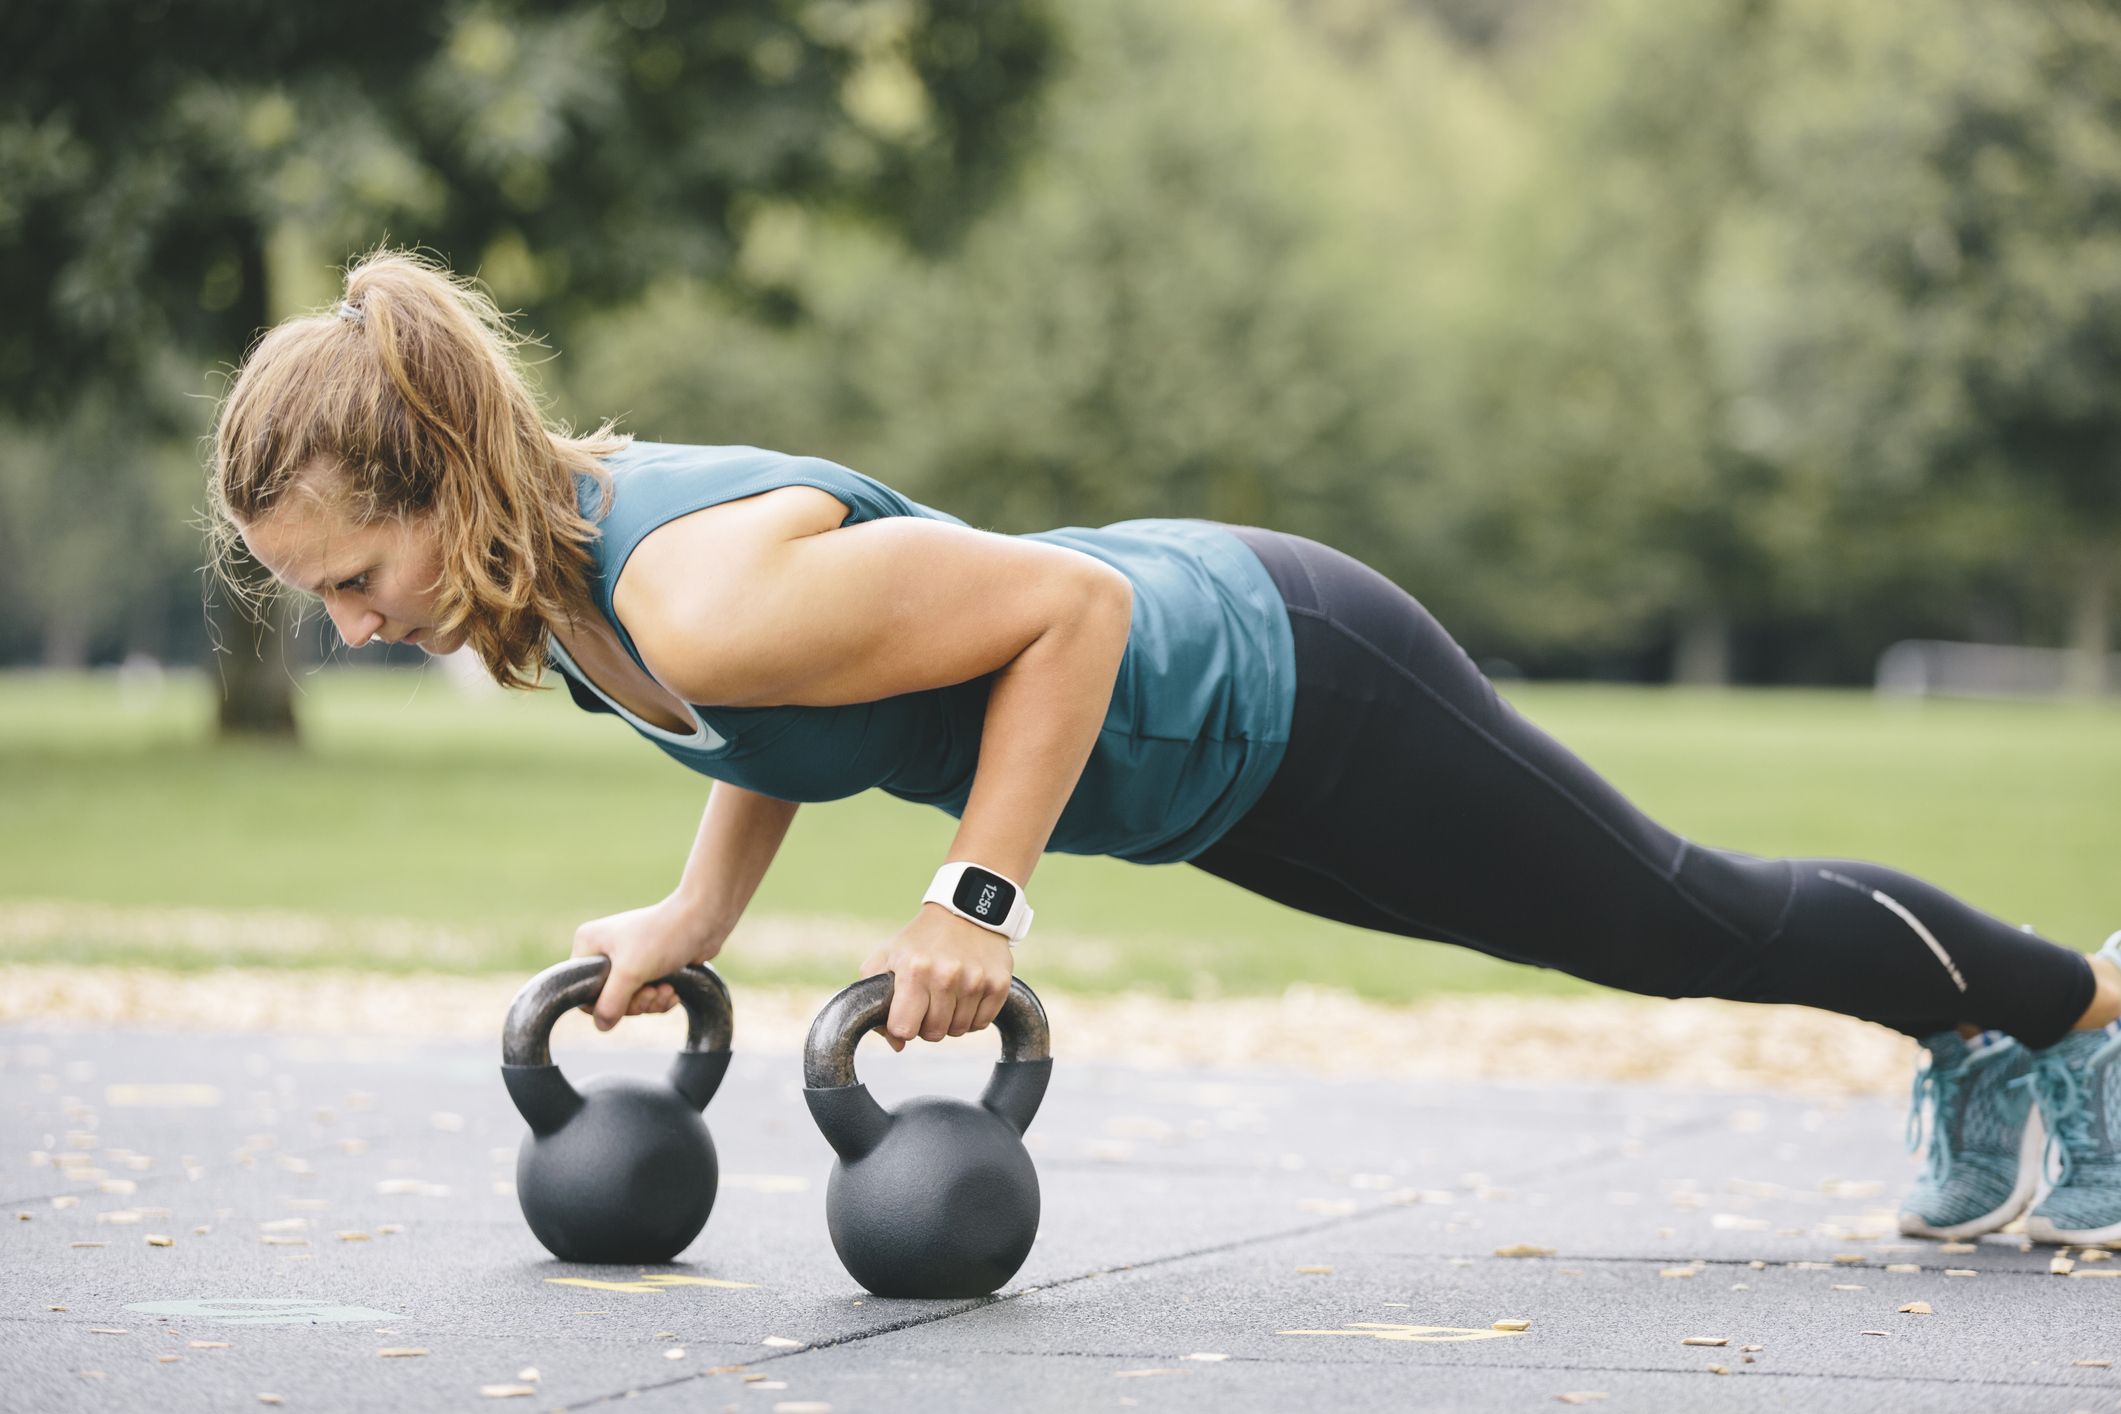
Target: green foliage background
(1727, 340)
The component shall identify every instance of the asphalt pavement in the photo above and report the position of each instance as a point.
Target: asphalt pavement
(210, 1221)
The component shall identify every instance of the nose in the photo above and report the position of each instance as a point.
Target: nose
(355, 626)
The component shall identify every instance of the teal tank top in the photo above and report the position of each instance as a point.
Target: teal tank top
(1200, 711)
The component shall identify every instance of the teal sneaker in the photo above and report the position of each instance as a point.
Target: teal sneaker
(2077, 1082)
(1985, 1137)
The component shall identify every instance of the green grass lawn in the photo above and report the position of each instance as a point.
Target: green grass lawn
(518, 818)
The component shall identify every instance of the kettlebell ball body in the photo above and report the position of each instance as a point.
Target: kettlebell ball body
(621, 1170)
(937, 1198)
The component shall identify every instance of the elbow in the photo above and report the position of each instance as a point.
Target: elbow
(1113, 597)
(1112, 588)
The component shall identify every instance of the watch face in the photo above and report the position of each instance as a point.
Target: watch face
(985, 895)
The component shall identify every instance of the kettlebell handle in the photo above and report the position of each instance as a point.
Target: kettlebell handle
(862, 1007)
(526, 1038)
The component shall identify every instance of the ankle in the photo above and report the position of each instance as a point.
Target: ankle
(2106, 996)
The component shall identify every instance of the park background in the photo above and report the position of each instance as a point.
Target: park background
(1682, 358)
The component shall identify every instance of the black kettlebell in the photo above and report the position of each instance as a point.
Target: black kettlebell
(622, 1170)
(938, 1197)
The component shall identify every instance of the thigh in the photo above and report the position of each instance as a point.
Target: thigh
(1299, 886)
(1410, 782)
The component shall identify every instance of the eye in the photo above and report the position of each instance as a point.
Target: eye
(358, 582)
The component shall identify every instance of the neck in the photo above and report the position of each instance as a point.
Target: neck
(590, 641)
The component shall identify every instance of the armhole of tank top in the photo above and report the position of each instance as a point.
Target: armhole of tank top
(615, 564)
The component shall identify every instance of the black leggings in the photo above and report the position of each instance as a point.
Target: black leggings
(1414, 800)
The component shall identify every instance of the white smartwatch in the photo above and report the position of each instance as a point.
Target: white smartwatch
(981, 896)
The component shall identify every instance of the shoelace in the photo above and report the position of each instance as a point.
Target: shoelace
(2059, 1089)
(1940, 1087)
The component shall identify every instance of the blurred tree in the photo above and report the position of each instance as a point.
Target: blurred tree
(1191, 306)
(1947, 190)
(1595, 402)
(152, 156)
(94, 521)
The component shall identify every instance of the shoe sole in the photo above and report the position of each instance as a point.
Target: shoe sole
(2041, 1230)
(2032, 1148)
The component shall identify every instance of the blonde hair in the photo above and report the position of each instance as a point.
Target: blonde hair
(406, 402)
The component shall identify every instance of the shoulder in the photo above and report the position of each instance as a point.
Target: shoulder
(720, 539)
(722, 533)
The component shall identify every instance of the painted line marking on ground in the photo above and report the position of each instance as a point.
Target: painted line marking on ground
(162, 1096)
(1383, 1330)
(659, 1281)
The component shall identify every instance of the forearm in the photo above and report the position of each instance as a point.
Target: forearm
(739, 834)
(1044, 711)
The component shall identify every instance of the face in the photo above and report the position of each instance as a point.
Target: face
(375, 581)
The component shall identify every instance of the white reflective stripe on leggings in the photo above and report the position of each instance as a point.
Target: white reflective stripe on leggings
(1909, 918)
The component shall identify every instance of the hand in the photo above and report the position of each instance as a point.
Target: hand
(644, 944)
(948, 976)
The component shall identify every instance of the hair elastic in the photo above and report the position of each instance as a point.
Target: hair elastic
(351, 313)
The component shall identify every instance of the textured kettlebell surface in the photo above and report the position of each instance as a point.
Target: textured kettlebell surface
(630, 1177)
(946, 1204)
(196, 1220)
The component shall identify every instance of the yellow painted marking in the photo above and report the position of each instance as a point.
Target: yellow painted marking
(1383, 1330)
(162, 1097)
(657, 1281)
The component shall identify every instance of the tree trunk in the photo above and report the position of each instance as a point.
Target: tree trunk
(2091, 625)
(65, 641)
(1702, 657)
(257, 688)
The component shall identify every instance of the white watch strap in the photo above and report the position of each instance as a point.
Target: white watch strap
(980, 899)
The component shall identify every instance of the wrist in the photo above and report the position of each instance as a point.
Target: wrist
(707, 908)
(981, 897)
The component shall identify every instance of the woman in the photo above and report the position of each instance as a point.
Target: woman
(1254, 703)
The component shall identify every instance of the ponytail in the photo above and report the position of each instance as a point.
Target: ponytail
(406, 401)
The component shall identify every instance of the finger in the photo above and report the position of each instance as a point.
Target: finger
(909, 1006)
(990, 1006)
(616, 997)
(936, 1023)
(966, 1010)
(585, 946)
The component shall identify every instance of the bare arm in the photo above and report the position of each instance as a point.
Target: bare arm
(899, 605)
(739, 834)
